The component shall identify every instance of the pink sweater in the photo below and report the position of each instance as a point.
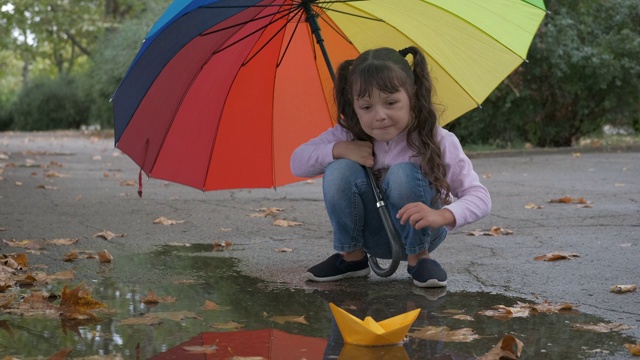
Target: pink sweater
(472, 200)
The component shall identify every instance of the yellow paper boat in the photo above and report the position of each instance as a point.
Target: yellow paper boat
(368, 332)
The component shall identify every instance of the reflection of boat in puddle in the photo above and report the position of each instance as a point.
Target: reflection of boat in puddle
(369, 332)
(247, 344)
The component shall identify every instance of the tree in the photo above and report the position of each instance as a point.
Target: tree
(582, 73)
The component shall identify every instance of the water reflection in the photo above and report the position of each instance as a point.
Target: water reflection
(195, 274)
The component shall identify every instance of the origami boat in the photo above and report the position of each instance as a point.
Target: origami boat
(368, 332)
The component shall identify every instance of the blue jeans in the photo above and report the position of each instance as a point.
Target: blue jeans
(356, 220)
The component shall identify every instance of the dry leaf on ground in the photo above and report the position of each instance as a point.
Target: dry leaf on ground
(107, 235)
(633, 349)
(164, 221)
(286, 223)
(77, 303)
(60, 355)
(524, 310)
(443, 333)
(62, 241)
(27, 244)
(533, 206)
(509, 348)
(264, 212)
(283, 250)
(569, 200)
(619, 289)
(494, 231)
(142, 320)
(557, 255)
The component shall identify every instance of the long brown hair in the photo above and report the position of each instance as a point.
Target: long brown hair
(388, 71)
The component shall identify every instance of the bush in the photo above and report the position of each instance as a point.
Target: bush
(583, 73)
(50, 104)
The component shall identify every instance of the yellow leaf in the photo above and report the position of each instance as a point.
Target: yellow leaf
(443, 333)
(463, 317)
(142, 320)
(229, 325)
(60, 355)
(533, 206)
(284, 319)
(152, 298)
(76, 303)
(221, 246)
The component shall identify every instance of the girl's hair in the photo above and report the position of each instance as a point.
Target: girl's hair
(388, 71)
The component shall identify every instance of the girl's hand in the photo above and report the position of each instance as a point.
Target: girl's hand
(358, 151)
(420, 216)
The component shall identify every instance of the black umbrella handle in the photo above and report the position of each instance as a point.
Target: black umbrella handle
(394, 241)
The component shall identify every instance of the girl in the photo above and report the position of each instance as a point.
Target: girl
(387, 122)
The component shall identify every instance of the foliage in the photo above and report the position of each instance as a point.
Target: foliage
(47, 104)
(582, 73)
(117, 49)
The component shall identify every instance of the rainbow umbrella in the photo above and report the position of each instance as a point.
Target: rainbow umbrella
(222, 91)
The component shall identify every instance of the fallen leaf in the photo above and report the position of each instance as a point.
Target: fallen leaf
(228, 325)
(53, 174)
(62, 275)
(60, 355)
(152, 298)
(210, 305)
(524, 310)
(176, 315)
(463, 317)
(221, 246)
(62, 241)
(533, 206)
(204, 349)
(77, 303)
(128, 183)
(600, 327)
(508, 348)
(286, 223)
(264, 212)
(633, 349)
(28, 244)
(284, 319)
(284, 249)
(47, 187)
(142, 320)
(619, 289)
(558, 255)
(104, 257)
(70, 256)
(569, 200)
(443, 333)
(107, 235)
(494, 231)
(164, 221)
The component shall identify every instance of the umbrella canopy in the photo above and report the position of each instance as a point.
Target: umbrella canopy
(222, 91)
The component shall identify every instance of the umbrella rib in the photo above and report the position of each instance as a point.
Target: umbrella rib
(271, 38)
(285, 12)
(286, 48)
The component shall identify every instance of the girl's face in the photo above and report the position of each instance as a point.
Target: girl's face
(383, 116)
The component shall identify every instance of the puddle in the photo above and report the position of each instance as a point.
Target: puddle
(194, 274)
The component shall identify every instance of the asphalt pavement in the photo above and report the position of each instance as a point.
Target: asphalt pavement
(74, 185)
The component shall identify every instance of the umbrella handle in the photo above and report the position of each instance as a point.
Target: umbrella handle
(394, 241)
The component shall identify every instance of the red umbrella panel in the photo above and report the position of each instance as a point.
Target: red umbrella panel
(231, 104)
(249, 344)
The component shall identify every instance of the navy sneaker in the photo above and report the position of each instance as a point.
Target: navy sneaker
(428, 273)
(335, 268)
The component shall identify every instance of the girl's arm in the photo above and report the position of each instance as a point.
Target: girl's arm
(472, 200)
(311, 158)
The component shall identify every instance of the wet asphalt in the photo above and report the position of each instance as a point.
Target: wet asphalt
(75, 185)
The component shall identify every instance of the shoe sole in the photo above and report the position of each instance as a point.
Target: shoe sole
(431, 283)
(353, 274)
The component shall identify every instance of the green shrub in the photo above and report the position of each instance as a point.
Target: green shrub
(49, 104)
